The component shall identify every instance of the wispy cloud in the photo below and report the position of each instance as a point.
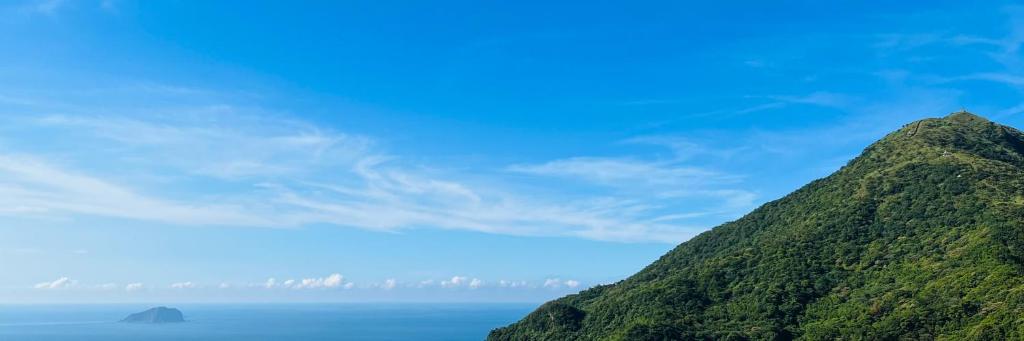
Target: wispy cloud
(183, 285)
(612, 171)
(1009, 45)
(818, 98)
(21, 251)
(1003, 49)
(1004, 78)
(222, 145)
(555, 283)
(42, 188)
(133, 287)
(1014, 110)
(59, 283)
(645, 196)
(289, 173)
(215, 163)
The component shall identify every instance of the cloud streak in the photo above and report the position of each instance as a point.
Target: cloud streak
(183, 285)
(36, 187)
(276, 172)
(60, 283)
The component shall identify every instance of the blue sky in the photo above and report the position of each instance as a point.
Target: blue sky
(446, 151)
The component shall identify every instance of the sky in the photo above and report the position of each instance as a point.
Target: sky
(443, 151)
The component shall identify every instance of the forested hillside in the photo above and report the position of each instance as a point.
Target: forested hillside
(919, 237)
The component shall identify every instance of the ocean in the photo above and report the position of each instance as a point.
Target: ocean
(261, 322)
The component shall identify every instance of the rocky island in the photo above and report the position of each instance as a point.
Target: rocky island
(156, 315)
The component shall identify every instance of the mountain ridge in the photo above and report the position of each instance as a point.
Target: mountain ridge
(876, 250)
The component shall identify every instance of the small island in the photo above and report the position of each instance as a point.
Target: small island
(156, 315)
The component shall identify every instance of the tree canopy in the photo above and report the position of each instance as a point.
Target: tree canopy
(919, 237)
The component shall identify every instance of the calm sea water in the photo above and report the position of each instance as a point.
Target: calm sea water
(263, 322)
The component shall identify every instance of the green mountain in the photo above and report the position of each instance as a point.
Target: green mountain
(920, 237)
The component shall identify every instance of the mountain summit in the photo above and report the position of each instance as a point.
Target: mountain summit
(919, 237)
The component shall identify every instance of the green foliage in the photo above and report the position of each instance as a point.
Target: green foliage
(919, 238)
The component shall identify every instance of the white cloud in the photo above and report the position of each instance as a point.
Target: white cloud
(107, 286)
(59, 283)
(572, 283)
(511, 284)
(133, 287)
(389, 284)
(224, 285)
(332, 281)
(552, 283)
(349, 285)
(183, 285)
(455, 281)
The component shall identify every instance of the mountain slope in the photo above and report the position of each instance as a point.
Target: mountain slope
(919, 237)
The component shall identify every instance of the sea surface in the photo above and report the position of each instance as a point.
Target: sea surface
(262, 322)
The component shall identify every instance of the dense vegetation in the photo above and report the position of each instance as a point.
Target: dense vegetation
(921, 237)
